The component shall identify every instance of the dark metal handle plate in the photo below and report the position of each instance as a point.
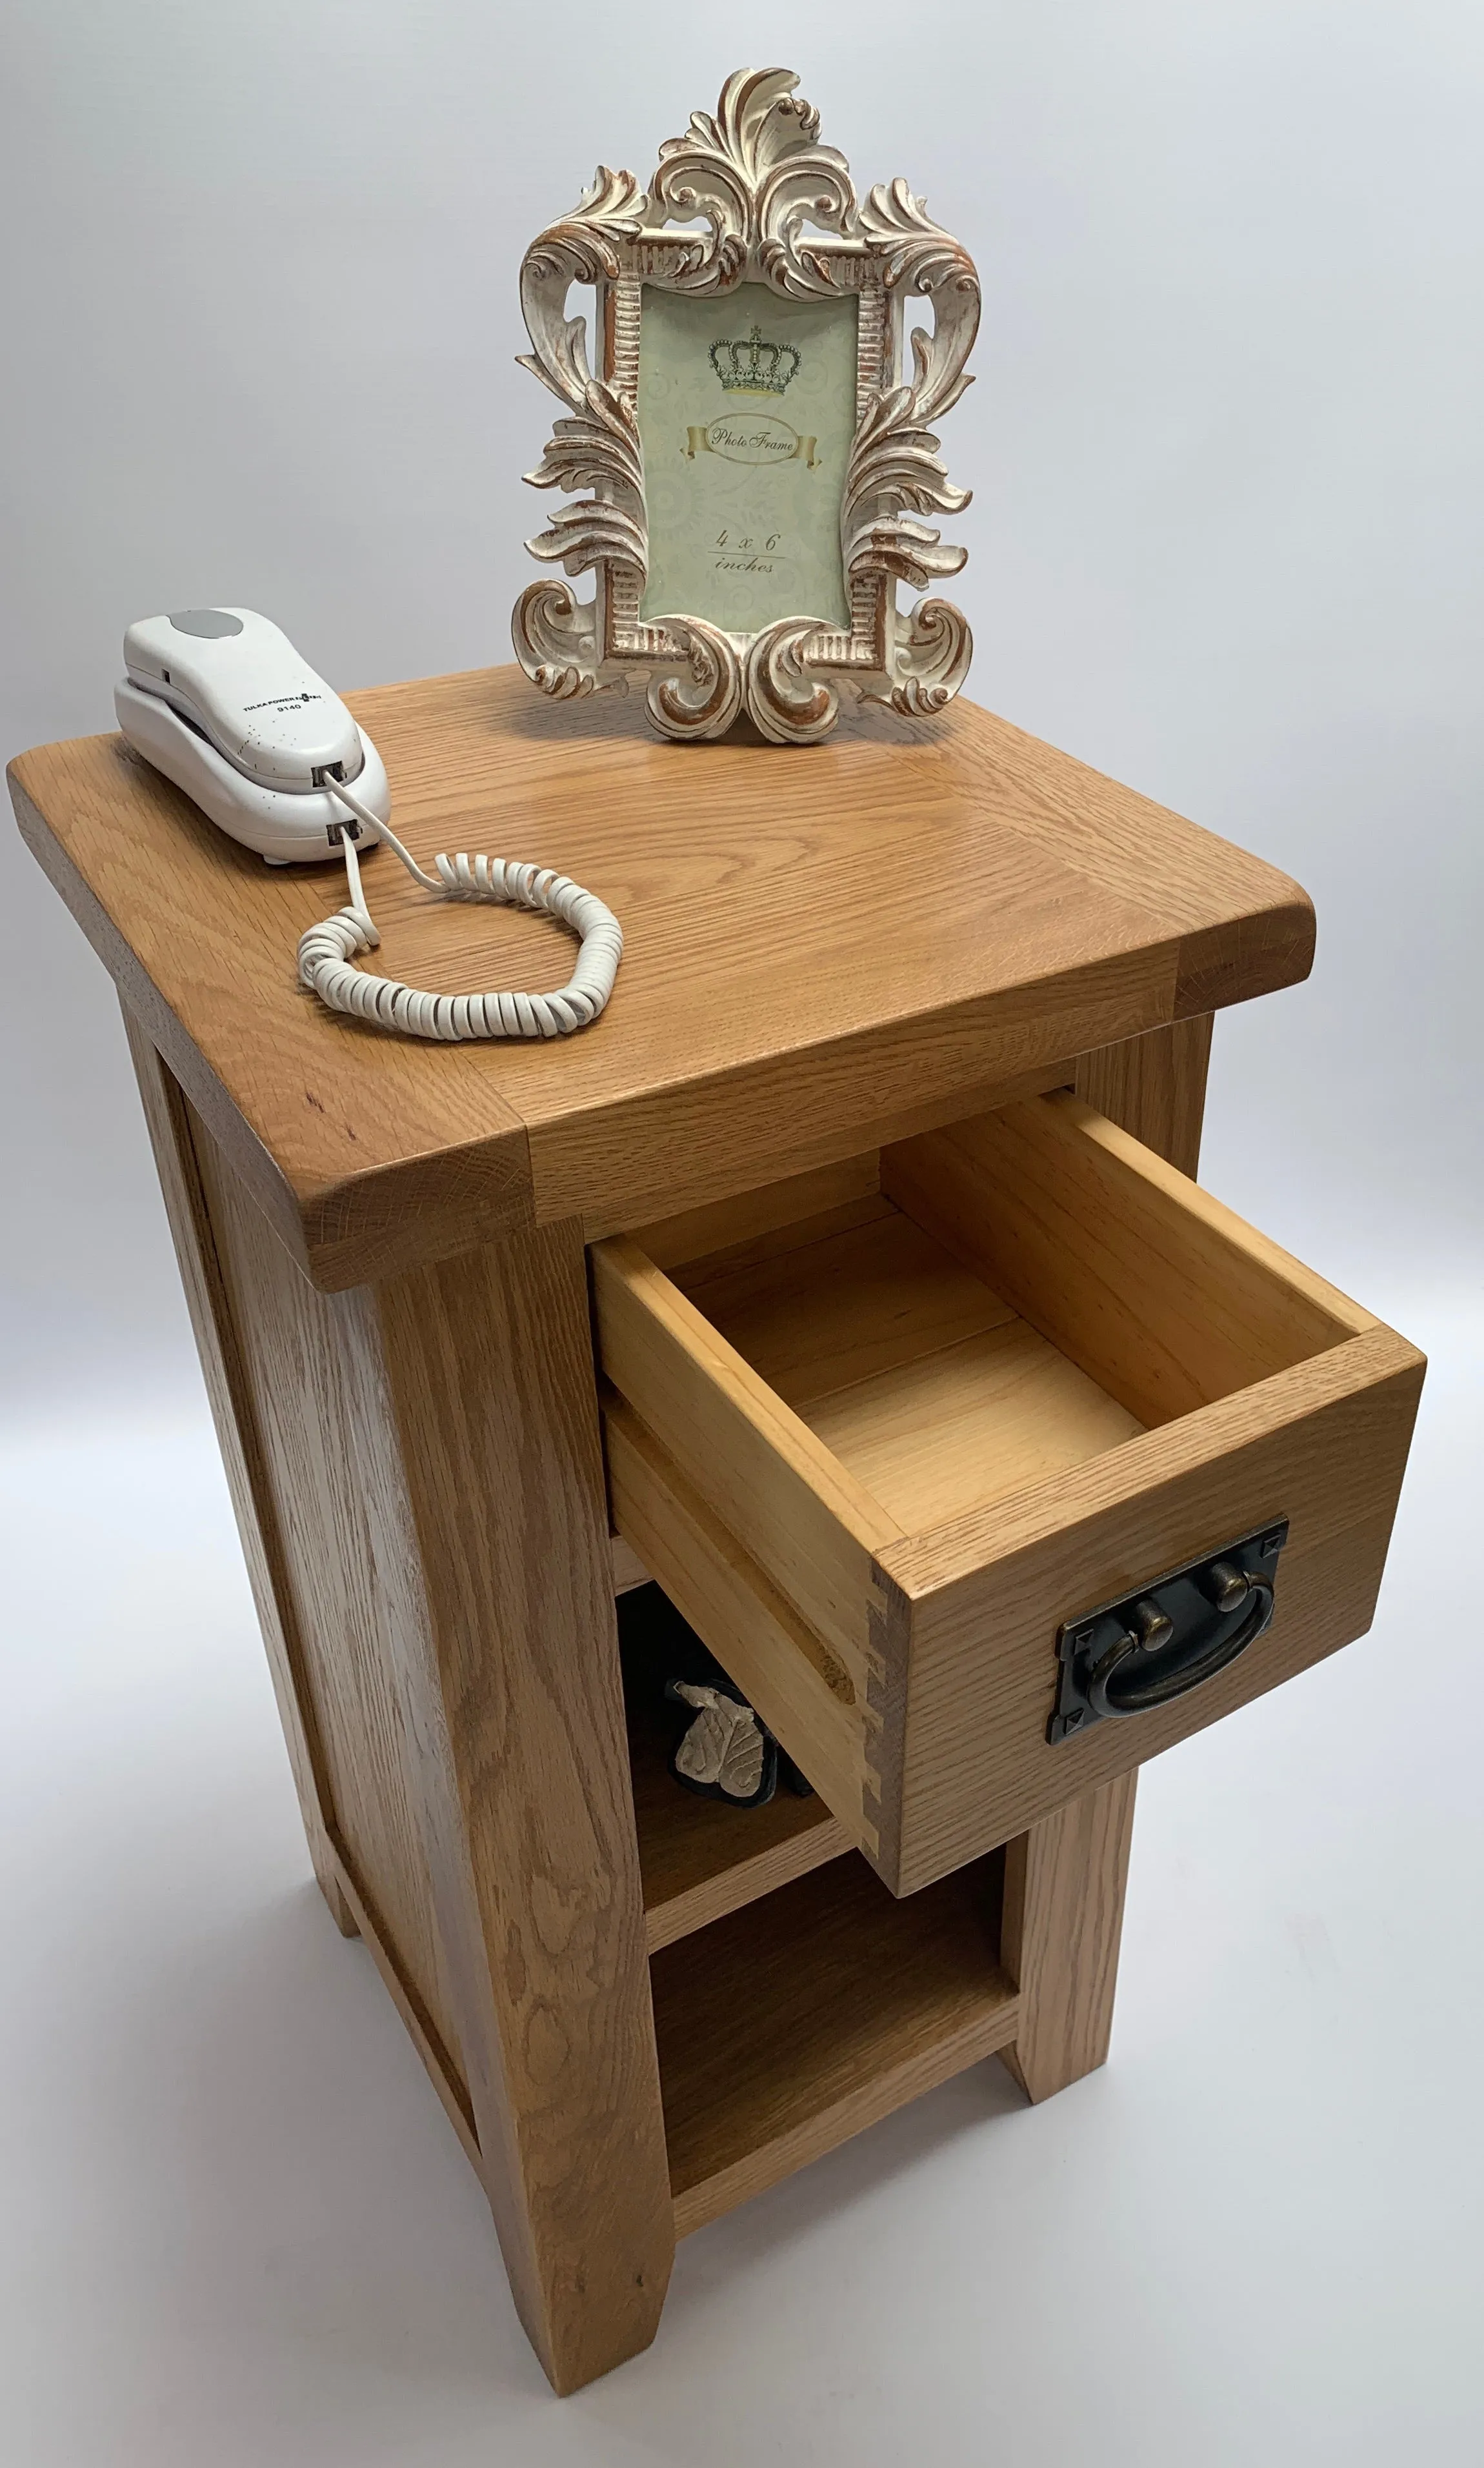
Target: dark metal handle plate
(1164, 1639)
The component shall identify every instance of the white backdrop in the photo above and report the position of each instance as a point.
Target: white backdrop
(1225, 544)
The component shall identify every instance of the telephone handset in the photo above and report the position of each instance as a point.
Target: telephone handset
(220, 702)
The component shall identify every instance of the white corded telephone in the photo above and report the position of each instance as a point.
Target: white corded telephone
(219, 700)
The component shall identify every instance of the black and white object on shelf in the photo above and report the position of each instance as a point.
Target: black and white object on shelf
(719, 1746)
(724, 1753)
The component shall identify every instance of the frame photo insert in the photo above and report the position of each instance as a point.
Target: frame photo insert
(759, 443)
(745, 421)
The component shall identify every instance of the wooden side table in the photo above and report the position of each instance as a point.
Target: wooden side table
(914, 1368)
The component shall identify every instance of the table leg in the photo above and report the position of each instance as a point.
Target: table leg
(492, 1436)
(1155, 1086)
(1064, 1915)
(1065, 1880)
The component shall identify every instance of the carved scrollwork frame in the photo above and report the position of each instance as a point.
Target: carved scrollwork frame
(778, 209)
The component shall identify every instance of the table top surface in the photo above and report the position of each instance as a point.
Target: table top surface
(825, 947)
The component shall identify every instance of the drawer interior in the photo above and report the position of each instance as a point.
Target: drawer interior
(922, 1380)
(994, 1313)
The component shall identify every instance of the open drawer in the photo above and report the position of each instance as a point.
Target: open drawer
(1004, 1476)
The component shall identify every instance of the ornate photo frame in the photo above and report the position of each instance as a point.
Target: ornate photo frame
(749, 198)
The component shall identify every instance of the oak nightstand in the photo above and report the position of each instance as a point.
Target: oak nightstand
(848, 1280)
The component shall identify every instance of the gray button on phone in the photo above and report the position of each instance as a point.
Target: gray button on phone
(209, 621)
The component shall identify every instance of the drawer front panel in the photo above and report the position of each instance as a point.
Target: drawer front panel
(973, 1628)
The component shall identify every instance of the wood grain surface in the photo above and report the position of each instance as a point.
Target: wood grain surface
(824, 949)
(249, 1478)
(842, 1305)
(698, 1857)
(1164, 1297)
(429, 1478)
(1066, 1877)
(981, 1598)
(952, 1431)
(1065, 1885)
(918, 1377)
(809, 1695)
(443, 2074)
(1155, 1086)
(494, 1549)
(301, 1353)
(841, 1440)
(792, 1504)
(792, 2026)
(743, 1226)
(629, 1570)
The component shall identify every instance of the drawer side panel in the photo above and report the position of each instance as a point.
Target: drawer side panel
(798, 1684)
(302, 1351)
(811, 1526)
(1164, 1297)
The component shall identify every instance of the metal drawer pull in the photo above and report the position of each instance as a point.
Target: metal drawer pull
(1150, 1647)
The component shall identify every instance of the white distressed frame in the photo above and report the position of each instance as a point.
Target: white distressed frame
(780, 210)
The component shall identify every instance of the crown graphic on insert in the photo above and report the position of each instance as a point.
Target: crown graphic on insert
(755, 367)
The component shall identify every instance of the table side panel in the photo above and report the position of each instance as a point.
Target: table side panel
(170, 1119)
(302, 1349)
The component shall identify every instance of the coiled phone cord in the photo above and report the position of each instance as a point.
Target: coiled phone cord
(324, 950)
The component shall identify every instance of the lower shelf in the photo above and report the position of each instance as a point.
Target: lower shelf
(793, 2024)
